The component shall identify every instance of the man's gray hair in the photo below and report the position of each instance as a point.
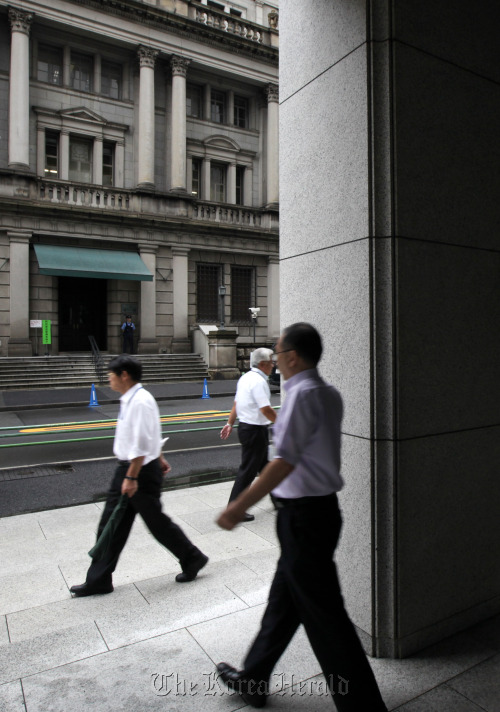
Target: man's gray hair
(260, 355)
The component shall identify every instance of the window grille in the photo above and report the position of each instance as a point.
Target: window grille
(50, 65)
(242, 294)
(208, 278)
(111, 80)
(240, 118)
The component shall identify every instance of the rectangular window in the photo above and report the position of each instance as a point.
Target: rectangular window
(50, 65)
(82, 71)
(111, 80)
(196, 178)
(240, 179)
(218, 182)
(51, 154)
(194, 101)
(207, 288)
(218, 107)
(242, 294)
(108, 161)
(80, 159)
(240, 112)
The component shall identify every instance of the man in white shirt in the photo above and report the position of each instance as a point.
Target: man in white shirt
(139, 475)
(252, 407)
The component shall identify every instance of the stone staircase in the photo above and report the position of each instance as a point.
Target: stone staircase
(74, 370)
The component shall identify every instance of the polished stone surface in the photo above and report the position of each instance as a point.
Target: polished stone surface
(153, 645)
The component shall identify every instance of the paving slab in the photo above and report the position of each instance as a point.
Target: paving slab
(480, 684)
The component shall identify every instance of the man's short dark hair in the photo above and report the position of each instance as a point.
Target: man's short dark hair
(305, 340)
(131, 365)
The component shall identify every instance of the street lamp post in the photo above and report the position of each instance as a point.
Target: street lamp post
(222, 294)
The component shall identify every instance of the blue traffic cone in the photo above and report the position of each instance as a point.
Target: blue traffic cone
(205, 389)
(93, 397)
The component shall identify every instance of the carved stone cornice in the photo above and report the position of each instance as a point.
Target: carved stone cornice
(179, 66)
(20, 21)
(272, 93)
(184, 27)
(147, 56)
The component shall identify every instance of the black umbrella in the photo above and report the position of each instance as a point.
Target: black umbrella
(102, 544)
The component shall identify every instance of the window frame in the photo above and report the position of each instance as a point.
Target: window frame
(82, 140)
(204, 299)
(118, 69)
(191, 90)
(50, 65)
(241, 122)
(240, 304)
(76, 67)
(218, 191)
(218, 98)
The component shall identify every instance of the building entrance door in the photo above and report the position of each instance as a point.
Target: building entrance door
(82, 313)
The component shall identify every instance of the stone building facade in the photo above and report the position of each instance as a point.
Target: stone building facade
(138, 171)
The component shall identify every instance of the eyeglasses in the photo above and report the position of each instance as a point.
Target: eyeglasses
(276, 354)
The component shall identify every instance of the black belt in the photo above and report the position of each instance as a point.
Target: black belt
(281, 502)
(124, 462)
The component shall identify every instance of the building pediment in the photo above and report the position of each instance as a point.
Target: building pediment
(82, 114)
(223, 142)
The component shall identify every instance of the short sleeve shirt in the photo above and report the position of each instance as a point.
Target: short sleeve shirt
(252, 394)
(138, 430)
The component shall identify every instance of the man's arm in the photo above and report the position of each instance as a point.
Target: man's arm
(129, 484)
(269, 413)
(227, 429)
(270, 477)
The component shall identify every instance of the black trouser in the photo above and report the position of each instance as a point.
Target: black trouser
(146, 502)
(306, 590)
(254, 441)
(128, 343)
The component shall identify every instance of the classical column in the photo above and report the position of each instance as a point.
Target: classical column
(248, 186)
(272, 146)
(181, 342)
(273, 297)
(205, 179)
(231, 184)
(178, 124)
(19, 92)
(19, 341)
(40, 151)
(97, 160)
(146, 153)
(148, 343)
(64, 165)
(119, 164)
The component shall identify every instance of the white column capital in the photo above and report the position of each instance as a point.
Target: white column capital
(147, 56)
(179, 251)
(20, 21)
(22, 236)
(146, 248)
(179, 65)
(272, 93)
(273, 260)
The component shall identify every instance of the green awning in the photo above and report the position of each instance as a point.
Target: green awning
(85, 262)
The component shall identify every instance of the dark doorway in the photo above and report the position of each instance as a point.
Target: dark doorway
(82, 312)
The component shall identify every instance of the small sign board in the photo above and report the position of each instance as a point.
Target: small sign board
(35, 323)
(46, 332)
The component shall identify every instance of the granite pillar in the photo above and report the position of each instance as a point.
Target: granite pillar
(19, 342)
(395, 212)
(19, 91)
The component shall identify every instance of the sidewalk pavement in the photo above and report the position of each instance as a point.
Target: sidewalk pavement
(153, 643)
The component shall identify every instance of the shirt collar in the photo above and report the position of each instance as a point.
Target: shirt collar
(128, 394)
(257, 370)
(299, 377)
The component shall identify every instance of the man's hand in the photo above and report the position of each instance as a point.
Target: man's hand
(231, 516)
(226, 431)
(165, 466)
(129, 487)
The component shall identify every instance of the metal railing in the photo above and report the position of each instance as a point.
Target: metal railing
(99, 365)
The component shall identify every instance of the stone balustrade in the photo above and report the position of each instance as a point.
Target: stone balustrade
(232, 25)
(155, 204)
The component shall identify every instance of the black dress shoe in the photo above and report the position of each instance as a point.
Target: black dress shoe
(253, 693)
(190, 571)
(85, 589)
(248, 517)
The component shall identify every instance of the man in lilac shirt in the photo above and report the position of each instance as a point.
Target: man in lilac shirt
(304, 478)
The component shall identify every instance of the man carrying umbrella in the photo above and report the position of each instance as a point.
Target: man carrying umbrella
(139, 475)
